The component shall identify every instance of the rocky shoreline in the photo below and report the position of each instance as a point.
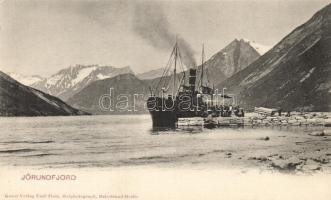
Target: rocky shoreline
(297, 144)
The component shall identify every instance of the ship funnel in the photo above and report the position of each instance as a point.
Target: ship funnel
(192, 79)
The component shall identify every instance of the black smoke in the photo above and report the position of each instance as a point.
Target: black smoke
(151, 24)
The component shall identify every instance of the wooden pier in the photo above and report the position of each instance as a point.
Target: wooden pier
(255, 119)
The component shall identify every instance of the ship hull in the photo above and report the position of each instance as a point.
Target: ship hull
(164, 119)
(165, 112)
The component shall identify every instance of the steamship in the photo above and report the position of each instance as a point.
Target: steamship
(182, 94)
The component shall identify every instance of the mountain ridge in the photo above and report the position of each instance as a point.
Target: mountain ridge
(17, 99)
(123, 85)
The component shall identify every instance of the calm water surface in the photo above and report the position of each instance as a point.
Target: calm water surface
(110, 141)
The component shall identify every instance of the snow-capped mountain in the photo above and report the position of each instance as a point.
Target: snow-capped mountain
(26, 80)
(71, 80)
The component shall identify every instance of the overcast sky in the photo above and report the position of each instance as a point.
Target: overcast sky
(42, 37)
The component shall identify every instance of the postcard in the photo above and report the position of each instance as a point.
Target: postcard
(165, 99)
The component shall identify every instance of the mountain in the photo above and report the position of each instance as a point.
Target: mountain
(126, 87)
(294, 74)
(71, 80)
(150, 74)
(17, 99)
(26, 80)
(234, 57)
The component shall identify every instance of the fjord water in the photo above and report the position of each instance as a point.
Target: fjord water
(128, 140)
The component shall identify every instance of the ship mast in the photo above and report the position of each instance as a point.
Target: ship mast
(176, 52)
(202, 61)
(174, 60)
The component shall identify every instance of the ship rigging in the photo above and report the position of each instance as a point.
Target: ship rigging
(182, 95)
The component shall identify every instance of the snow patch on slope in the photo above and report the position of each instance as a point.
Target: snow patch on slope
(260, 48)
(101, 76)
(26, 80)
(82, 74)
(307, 75)
(53, 80)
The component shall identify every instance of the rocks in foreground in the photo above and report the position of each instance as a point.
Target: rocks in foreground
(294, 164)
(296, 119)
